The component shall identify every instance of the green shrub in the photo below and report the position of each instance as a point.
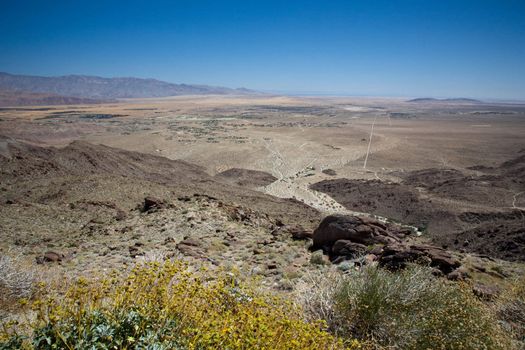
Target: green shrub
(410, 309)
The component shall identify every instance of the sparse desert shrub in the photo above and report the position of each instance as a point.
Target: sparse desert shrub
(410, 309)
(317, 258)
(17, 279)
(165, 306)
(315, 292)
(510, 307)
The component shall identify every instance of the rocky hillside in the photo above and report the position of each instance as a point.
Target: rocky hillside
(481, 212)
(92, 207)
(86, 210)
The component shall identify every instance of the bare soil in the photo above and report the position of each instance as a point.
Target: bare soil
(232, 169)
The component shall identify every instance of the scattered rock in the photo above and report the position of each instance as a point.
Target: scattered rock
(479, 268)
(191, 247)
(271, 266)
(192, 242)
(50, 257)
(299, 233)
(459, 274)
(152, 204)
(485, 292)
(135, 251)
(245, 215)
(168, 240)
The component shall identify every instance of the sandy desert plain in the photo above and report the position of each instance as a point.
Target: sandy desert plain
(245, 175)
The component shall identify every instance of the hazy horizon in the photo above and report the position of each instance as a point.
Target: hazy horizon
(438, 49)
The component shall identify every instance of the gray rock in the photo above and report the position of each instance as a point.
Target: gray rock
(348, 248)
(365, 231)
(50, 257)
(396, 256)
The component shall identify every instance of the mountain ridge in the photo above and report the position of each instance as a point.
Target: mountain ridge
(444, 100)
(96, 87)
(12, 98)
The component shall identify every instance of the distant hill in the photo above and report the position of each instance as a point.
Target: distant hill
(10, 98)
(444, 100)
(83, 86)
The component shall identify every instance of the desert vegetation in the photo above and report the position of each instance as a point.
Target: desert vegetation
(338, 186)
(412, 309)
(143, 193)
(170, 305)
(165, 306)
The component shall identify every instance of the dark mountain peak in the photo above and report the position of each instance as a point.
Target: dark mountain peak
(444, 100)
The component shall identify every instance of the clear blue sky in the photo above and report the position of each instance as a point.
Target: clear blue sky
(363, 47)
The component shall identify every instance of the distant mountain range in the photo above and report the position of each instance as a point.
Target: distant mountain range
(444, 100)
(10, 98)
(98, 88)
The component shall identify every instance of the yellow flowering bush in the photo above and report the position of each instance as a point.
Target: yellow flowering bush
(164, 306)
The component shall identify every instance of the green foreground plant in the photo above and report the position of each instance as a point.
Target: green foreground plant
(409, 309)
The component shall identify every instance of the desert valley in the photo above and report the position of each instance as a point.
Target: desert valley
(262, 175)
(451, 170)
(242, 182)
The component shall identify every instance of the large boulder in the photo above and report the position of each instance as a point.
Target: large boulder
(347, 248)
(347, 236)
(361, 230)
(396, 256)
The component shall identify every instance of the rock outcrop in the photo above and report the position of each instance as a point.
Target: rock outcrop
(347, 237)
(398, 255)
(356, 229)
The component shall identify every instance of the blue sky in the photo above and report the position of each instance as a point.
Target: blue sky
(445, 48)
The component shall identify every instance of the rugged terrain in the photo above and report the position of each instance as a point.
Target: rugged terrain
(456, 210)
(244, 181)
(98, 207)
